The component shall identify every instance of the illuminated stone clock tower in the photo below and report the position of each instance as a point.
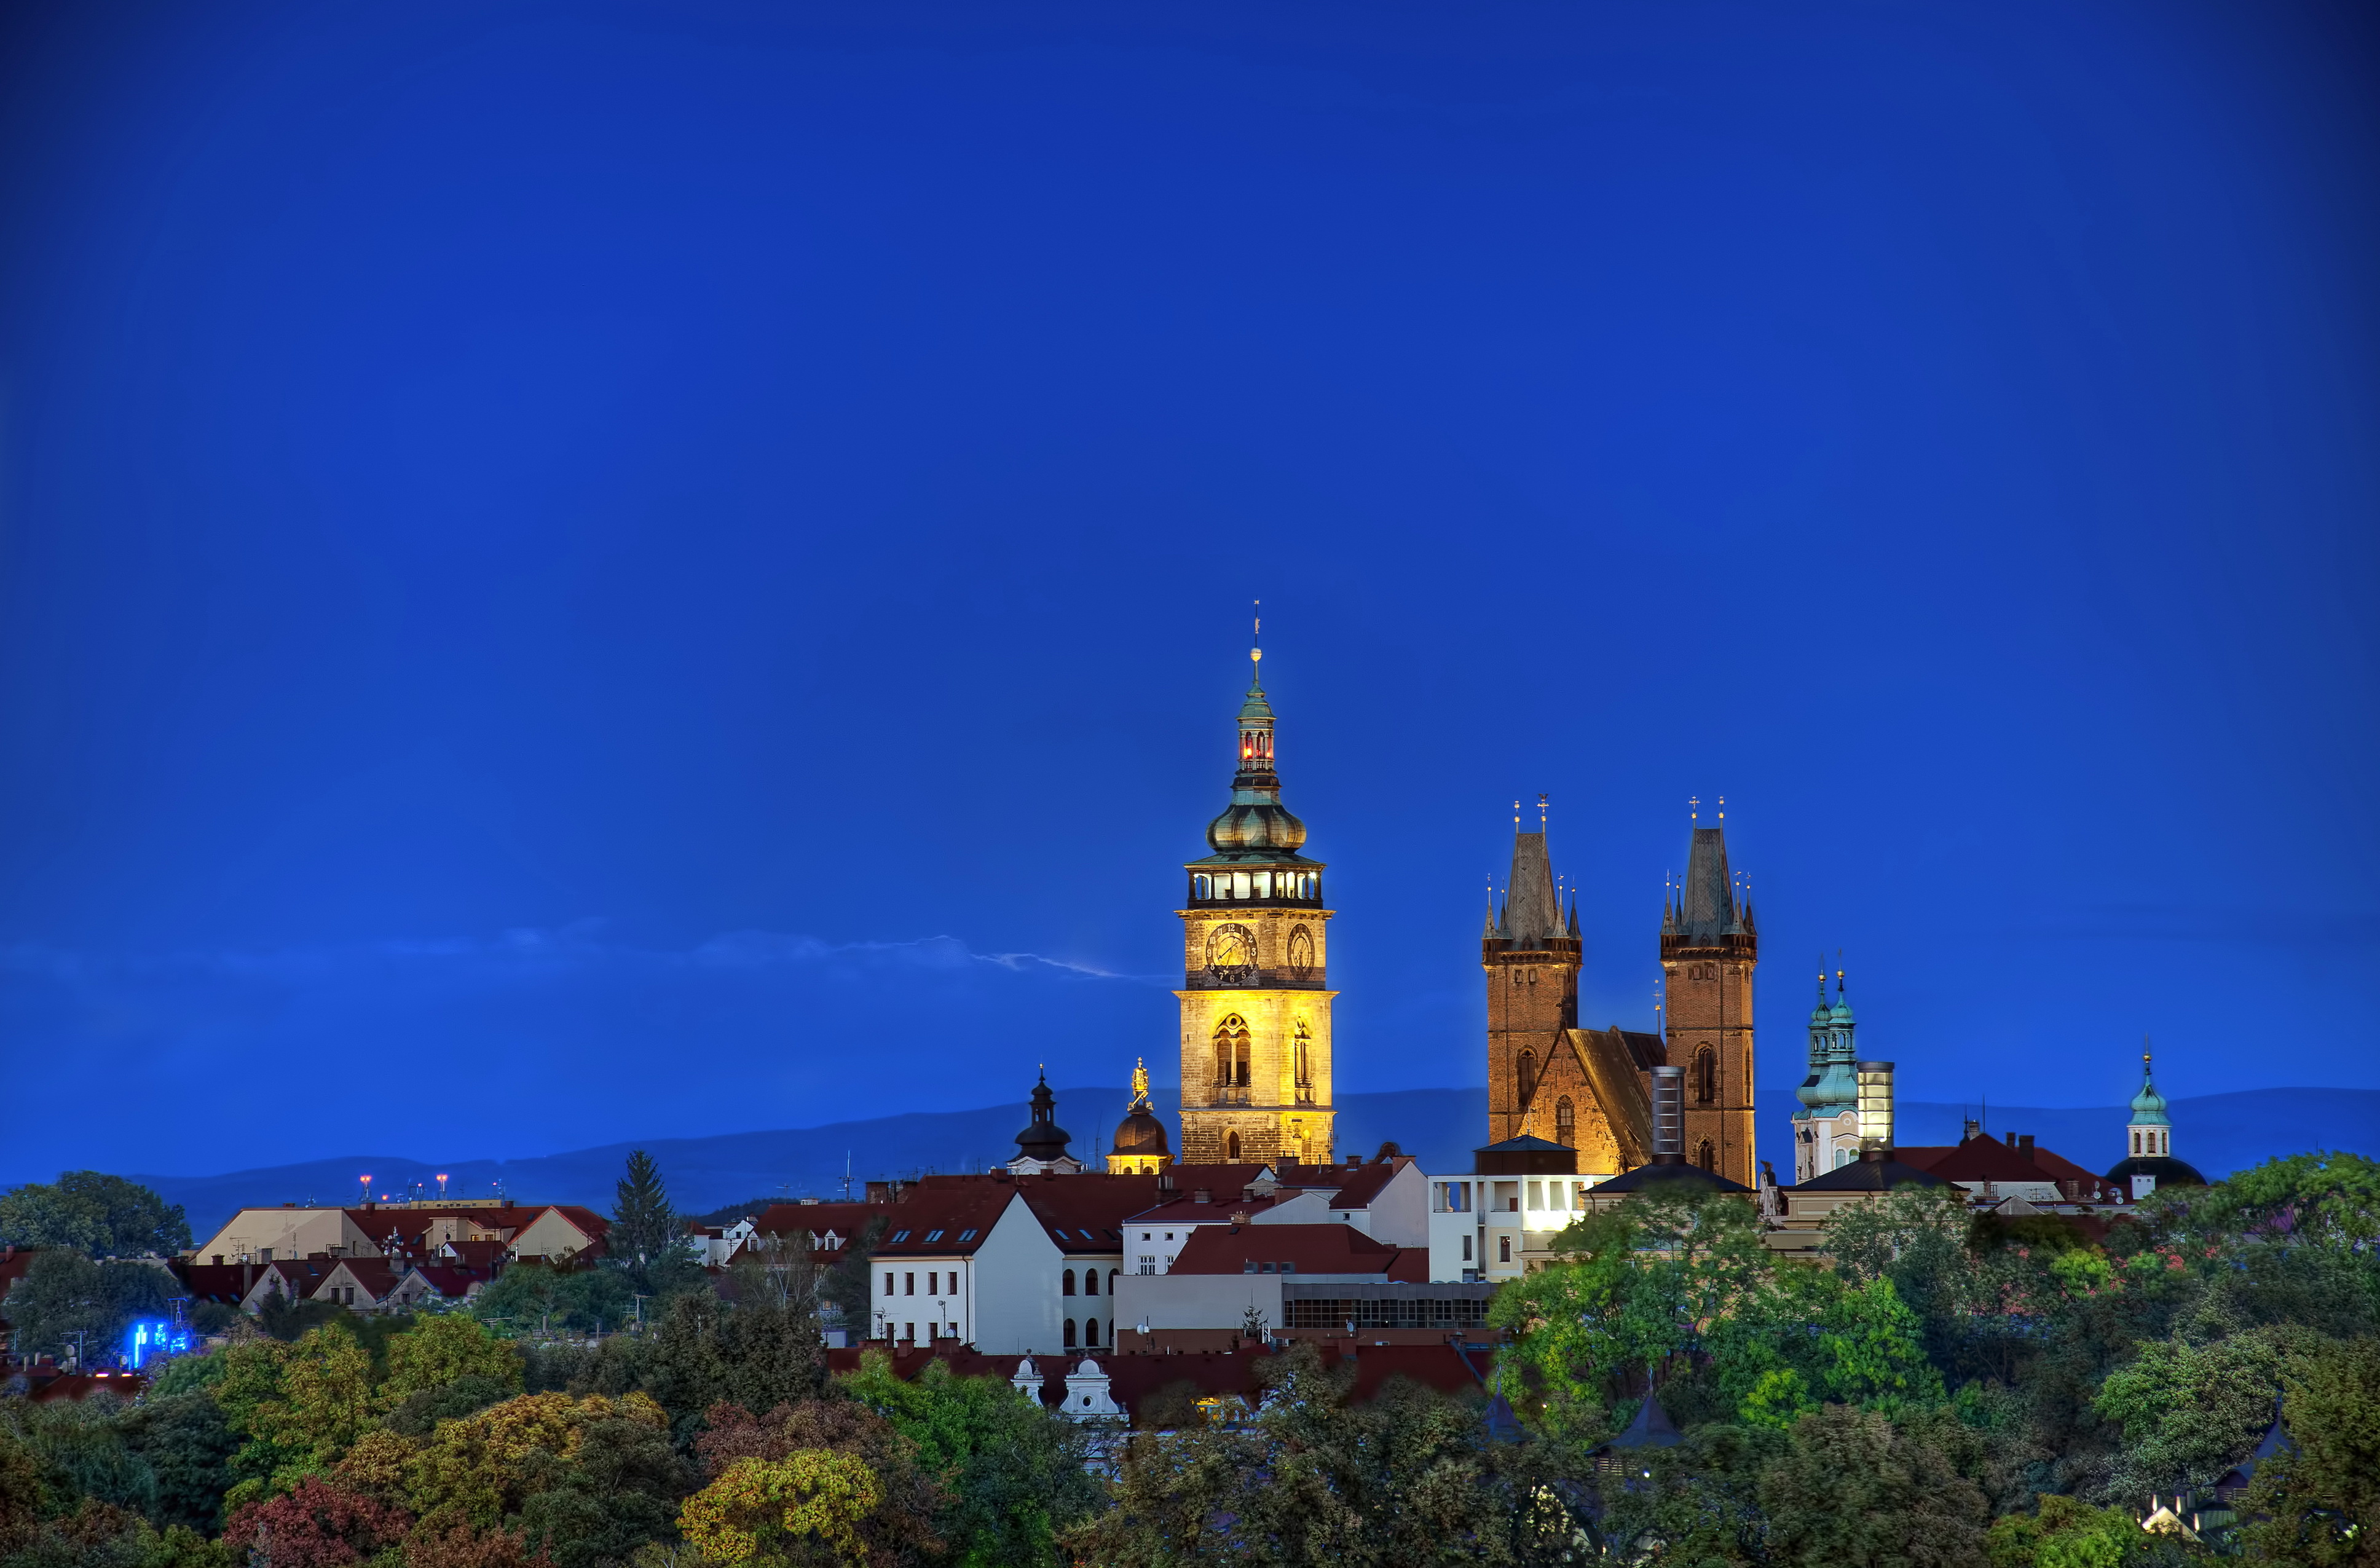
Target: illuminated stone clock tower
(1255, 1005)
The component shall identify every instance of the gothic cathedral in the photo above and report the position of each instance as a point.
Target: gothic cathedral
(1590, 1089)
(1256, 1005)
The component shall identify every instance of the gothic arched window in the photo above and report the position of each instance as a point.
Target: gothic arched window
(1231, 1148)
(1706, 1156)
(1565, 1123)
(1066, 1282)
(1301, 951)
(1090, 1282)
(1070, 1333)
(1232, 1051)
(1705, 1077)
(1091, 1331)
(1528, 1075)
(1304, 1057)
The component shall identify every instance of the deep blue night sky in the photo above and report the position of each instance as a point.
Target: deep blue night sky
(572, 572)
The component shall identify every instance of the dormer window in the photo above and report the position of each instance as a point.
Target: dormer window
(900, 1236)
(933, 1236)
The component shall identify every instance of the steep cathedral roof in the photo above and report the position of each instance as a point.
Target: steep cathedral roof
(1709, 902)
(1531, 915)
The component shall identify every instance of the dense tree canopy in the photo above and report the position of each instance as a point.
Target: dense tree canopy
(1948, 1390)
(98, 1215)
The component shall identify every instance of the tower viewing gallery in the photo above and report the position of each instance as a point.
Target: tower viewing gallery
(1255, 1001)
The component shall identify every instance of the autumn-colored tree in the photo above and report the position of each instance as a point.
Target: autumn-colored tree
(483, 1468)
(298, 1406)
(900, 1533)
(315, 1525)
(805, 1508)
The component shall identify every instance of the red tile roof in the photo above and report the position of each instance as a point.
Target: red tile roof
(1308, 1249)
(1190, 1211)
(956, 1219)
(1087, 1214)
(1366, 1181)
(373, 1275)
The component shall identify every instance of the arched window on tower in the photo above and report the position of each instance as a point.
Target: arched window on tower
(1706, 1156)
(1705, 1077)
(1565, 1123)
(1302, 1059)
(1231, 1148)
(1528, 1075)
(1301, 952)
(1232, 1053)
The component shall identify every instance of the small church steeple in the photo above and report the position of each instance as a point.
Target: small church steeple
(2148, 1162)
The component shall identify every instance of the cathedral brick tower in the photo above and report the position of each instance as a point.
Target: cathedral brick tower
(1532, 959)
(1709, 947)
(1255, 1005)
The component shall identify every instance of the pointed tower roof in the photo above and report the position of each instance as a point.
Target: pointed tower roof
(1708, 911)
(1530, 912)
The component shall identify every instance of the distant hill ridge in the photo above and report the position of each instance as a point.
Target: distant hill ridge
(2219, 1133)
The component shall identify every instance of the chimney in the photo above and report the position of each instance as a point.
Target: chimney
(2024, 1145)
(1202, 1195)
(1668, 1115)
(1875, 1109)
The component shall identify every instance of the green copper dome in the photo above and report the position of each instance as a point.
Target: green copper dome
(2148, 1106)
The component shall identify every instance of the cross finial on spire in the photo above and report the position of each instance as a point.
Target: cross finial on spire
(1516, 816)
(1694, 807)
(1541, 811)
(1722, 808)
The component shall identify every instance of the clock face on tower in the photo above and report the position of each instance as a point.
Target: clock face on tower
(1231, 956)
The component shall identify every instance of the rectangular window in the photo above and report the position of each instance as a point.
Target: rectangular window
(930, 1278)
(1536, 1195)
(1466, 1249)
(909, 1332)
(966, 1236)
(1148, 1264)
(933, 1236)
(1238, 884)
(1203, 887)
(909, 1288)
(888, 1282)
(1263, 881)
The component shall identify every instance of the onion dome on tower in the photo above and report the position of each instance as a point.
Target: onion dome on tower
(1042, 1144)
(1140, 1144)
(2150, 1163)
